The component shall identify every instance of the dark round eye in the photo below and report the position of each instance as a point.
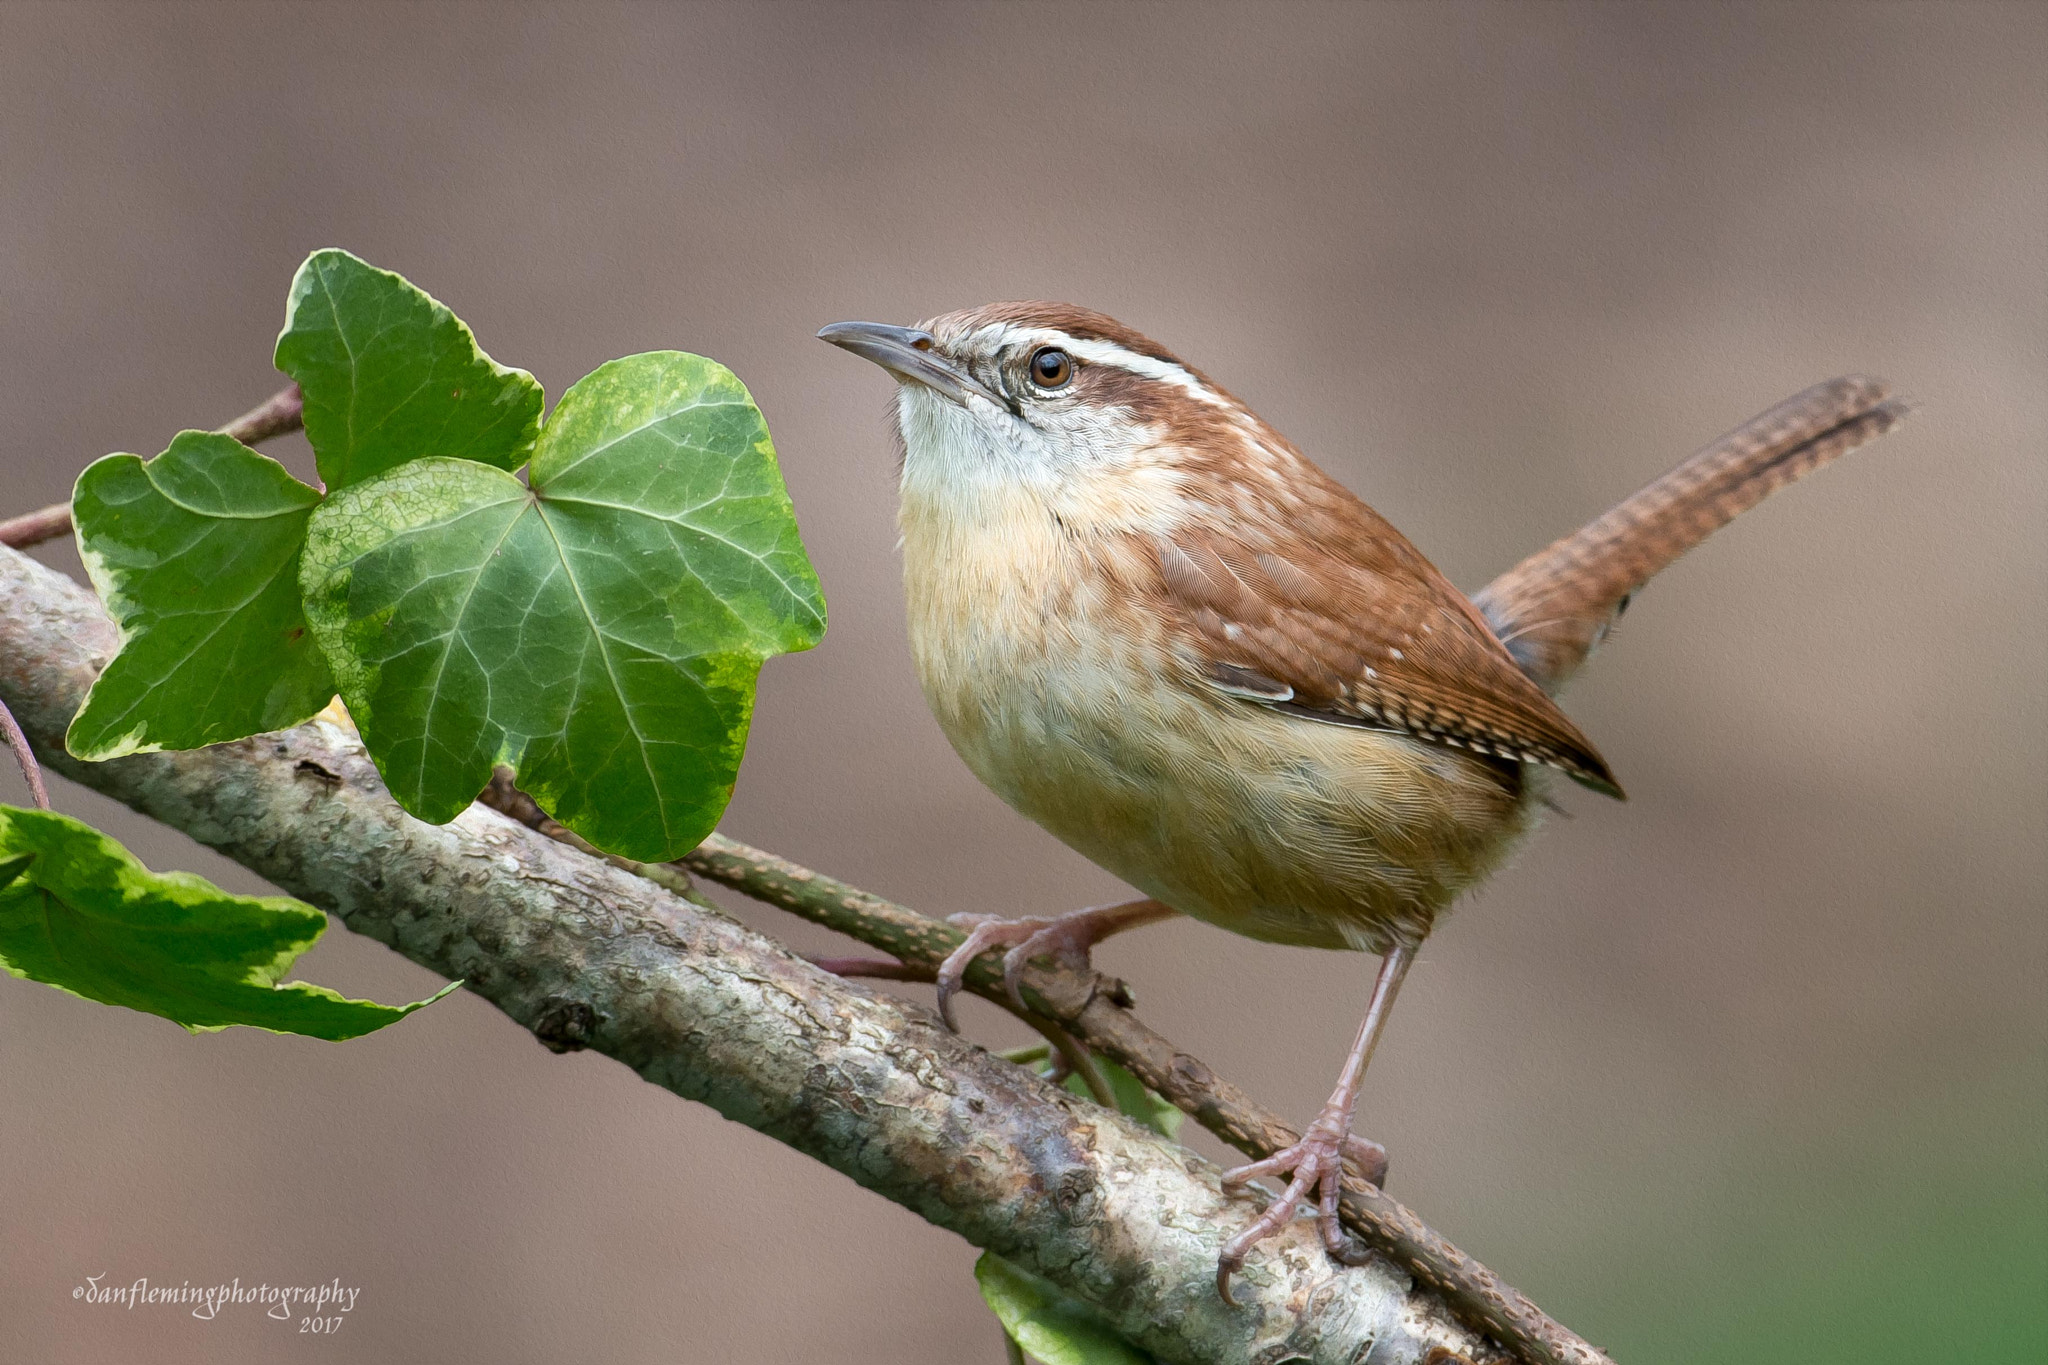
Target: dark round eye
(1051, 367)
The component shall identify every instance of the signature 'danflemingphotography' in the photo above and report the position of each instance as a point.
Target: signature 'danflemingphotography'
(279, 1301)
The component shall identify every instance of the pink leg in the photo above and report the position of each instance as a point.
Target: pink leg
(1066, 938)
(1317, 1161)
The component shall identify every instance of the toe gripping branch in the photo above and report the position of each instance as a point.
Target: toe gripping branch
(1067, 939)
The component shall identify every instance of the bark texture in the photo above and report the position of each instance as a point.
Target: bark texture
(585, 954)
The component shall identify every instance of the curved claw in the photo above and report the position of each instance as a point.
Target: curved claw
(1226, 1266)
(952, 974)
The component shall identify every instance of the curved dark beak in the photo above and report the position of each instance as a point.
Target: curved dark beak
(909, 354)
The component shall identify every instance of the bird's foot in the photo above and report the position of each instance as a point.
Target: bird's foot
(1316, 1164)
(1064, 938)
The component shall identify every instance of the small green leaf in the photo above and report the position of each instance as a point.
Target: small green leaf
(196, 554)
(1133, 1098)
(390, 375)
(81, 914)
(1049, 1323)
(600, 632)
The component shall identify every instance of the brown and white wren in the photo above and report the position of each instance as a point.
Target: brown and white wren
(1153, 626)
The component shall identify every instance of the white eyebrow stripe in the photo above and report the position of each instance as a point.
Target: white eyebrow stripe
(1094, 352)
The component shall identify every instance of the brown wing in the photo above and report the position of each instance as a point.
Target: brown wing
(1313, 604)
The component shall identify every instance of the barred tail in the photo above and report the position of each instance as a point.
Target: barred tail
(1555, 607)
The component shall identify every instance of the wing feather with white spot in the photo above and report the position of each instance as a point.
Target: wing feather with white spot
(1317, 607)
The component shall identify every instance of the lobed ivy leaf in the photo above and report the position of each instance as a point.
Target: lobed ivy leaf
(390, 375)
(600, 632)
(196, 555)
(1051, 1324)
(78, 912)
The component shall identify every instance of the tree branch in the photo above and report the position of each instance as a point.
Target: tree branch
(585, 954)
(281, 412)
(33, 528)
(1096, 1010)
(24, 756)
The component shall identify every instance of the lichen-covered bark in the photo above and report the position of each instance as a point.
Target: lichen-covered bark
(587, 955)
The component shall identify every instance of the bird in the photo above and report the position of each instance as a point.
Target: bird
(1152, 625)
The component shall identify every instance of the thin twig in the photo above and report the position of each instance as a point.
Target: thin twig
(25, 756)
(1078, 1061)
(281, 412)
(33, 528)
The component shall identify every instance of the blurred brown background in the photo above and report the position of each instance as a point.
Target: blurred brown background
(1749, 1068)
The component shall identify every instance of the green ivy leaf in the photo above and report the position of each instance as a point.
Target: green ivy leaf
(1046, 1321)
(78, 912)
(196, 554)
(390, 375)
(1135, 1099)
(600, 632)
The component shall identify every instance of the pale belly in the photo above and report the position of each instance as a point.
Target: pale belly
(1267, 824)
